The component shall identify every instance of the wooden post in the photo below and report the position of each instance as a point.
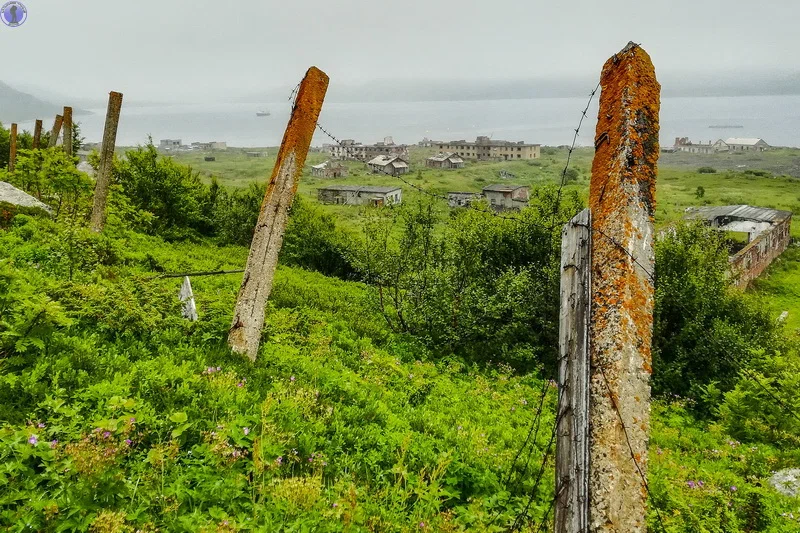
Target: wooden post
(572, 444)
(622, 201)
(68, 130)
(37, 134)
(98, 219)
(55, 131)
(12, 153)
(248, 318)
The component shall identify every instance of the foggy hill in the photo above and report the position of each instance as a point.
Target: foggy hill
(16, 106)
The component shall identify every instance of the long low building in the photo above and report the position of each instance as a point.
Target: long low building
(768, 235)
(486, 149)
(360, 195)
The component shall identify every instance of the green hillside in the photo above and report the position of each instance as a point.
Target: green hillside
(434, 412)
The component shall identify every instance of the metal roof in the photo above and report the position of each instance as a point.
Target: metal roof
(384, 160)
(744, 141)
(504, 188)
(746, 212)
(360, 189)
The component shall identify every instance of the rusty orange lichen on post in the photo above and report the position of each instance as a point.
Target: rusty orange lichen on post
(622, 201)
(245, 333)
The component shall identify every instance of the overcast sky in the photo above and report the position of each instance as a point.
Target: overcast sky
(175, 49)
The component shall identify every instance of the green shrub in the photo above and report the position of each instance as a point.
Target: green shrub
(706, 170)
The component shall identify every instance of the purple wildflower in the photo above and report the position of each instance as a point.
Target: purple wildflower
(691, 484)
(133, 420)
(291, 379)
(40, 425)
(733, 488)
(106, 434)
(53, 443)
(246, 431)
(335, 505)
(128, 441)
(33, 440)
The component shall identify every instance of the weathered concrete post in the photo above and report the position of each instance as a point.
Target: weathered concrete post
(248, 317)
(12, 152)
(98, 219)
(68, 130)
(572, 444)
(37, 134)
(55, 131)
(622, 201)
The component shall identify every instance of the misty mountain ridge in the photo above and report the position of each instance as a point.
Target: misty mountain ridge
(707, 84)
(17, 106)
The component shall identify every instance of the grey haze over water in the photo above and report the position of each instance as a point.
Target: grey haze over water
(549, 121)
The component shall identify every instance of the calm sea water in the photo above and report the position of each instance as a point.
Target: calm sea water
(549, 121)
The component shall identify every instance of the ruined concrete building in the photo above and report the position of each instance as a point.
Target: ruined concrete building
(767, 230)
(350, 149)
(462, 199)
(360, 195)
(507, 197)
(486, 149)
(329, 169)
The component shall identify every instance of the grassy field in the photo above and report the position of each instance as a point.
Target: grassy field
(762, 179)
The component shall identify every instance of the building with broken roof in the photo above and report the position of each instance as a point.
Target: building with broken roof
(389, 164)
(444, 160)
(360, 195)
(502, 197)
(486, 149)
(352, 150)
(329, 169)
(462, 199)
(768, 235)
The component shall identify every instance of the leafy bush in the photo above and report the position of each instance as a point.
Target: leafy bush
(706, 170)
(705, 330)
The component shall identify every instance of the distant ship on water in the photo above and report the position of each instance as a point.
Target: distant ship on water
(262, 113)
(726, 126)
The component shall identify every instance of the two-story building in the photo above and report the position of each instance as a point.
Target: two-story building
(486, 149)
(444, 160)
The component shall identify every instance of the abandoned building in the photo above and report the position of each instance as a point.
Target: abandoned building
(767, 235)
(736, 144)
(462, 199)
(507, 197)
(329, 169)
(256, 154)
(486, 149)
(683, 144)
(360, 195)
(444, 160)
(350, 149)
(212, 145)
(389, 164)
(170, 144)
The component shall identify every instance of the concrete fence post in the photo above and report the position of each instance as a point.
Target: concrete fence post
(98, 218)
(248, 317)
(55, 131)
(12, 152)
(572, 443)
(622, 203)
(68, 130)
(37, 134)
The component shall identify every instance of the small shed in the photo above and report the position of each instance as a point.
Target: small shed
(503, 197)
(389, 164)
(444, 160)
(329, 169)
(360, 195)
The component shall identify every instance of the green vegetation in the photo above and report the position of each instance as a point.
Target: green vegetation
(405, 356)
